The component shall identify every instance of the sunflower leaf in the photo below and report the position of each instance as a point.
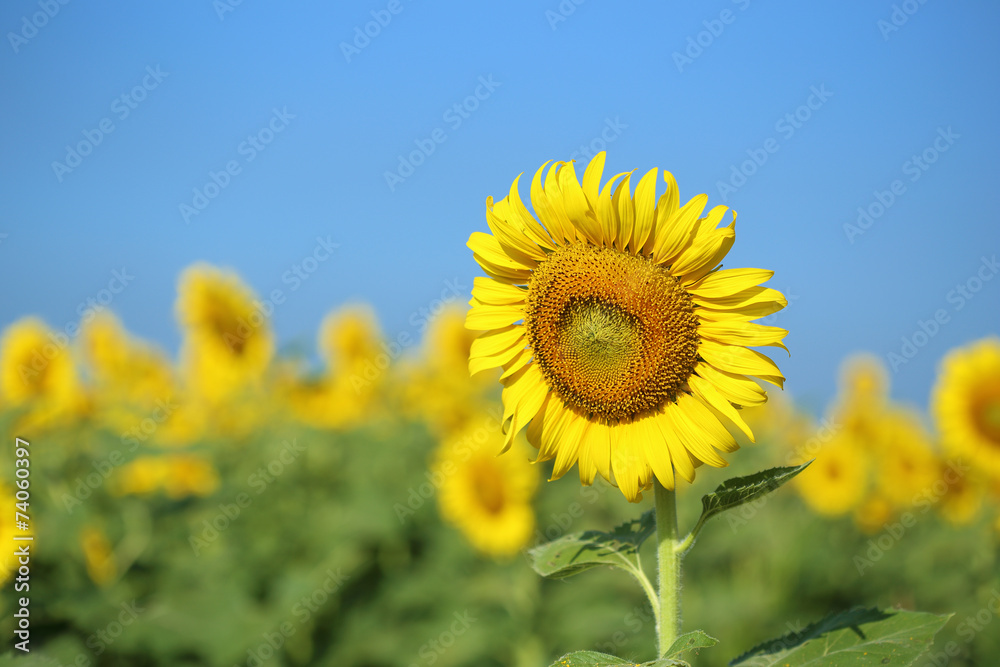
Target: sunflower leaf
(577, 552)
(594, 659)
(740, 490)
(690, 641)
(857, 637)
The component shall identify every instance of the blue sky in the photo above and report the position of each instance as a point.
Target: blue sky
(830, 103)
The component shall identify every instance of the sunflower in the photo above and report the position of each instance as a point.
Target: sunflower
(102, 565)
(623, 347)
(837, 480)
(36, 364)
(178, 475)
(906, 460)
(8, 562)
(350, 344)
(228, 343)
(436, 387)
(966, 403)
(487, 497)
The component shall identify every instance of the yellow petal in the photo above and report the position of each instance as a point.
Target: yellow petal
(595, 453)
(708, 393)
(743, 333)
(737, 389)
(530, 226)
(740, 360)
(727, 282)
(674, 233)
(592, 179)
(513, 241)
(692, 436)
(656, 450)
(607, 213)
(645, 212)
(622, 201)
(554, 221)
(483, 318)
(704, 254)
(577, 207)
(491, 292)
(569, 446)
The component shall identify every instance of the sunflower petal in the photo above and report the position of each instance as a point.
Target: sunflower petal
(622, 202)
(750, 334)
(592, 179)
(727, 282)
(740, 360)
(577, 207)
(707, 393)
(645, 212)
(737, 389)
(484, 318)
(497, 294)
(529, 225)
(656, 450)
(676, 230)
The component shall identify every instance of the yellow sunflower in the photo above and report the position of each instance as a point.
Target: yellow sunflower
(837, 480)
(345, 395)
(178, 475)
(487, 497)
(102, 566)
(907, 462)
(228, 342)
(8, 530)
(623, 347)
(36, 366)
(966, 403)
(436, 387)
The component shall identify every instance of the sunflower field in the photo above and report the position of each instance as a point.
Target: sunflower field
(399, 333)
(236, 506)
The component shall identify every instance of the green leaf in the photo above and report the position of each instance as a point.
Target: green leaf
(589, 659)
(575, 553)
(857, 638)
(593, 659)
(739, 490)
(691, 641)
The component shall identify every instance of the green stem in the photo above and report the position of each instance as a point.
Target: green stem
(669, 561)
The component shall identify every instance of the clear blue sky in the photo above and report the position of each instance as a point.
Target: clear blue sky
(634, 72)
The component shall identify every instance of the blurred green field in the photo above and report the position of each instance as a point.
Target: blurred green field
(319, 564)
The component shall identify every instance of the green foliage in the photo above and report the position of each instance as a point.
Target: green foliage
(583, 551)
(690, 641)
(592, 659)
(858, 637)
(740, 490)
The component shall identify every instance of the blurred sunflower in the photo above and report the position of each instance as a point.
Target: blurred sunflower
(350, 344)
(136, 389)
(863, 395)
(961, 503)
(8, 562)
(622, 346)
(178, 475)
(487, 497)
(837, 480)
(966, 403)
(437, 387)
(872, 515)
(228, 343)
(37, 369)
(99, 556)
(907, 463)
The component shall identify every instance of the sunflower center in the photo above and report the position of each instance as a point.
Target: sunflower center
(986, 414)
(613, 334)
(488, 487)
